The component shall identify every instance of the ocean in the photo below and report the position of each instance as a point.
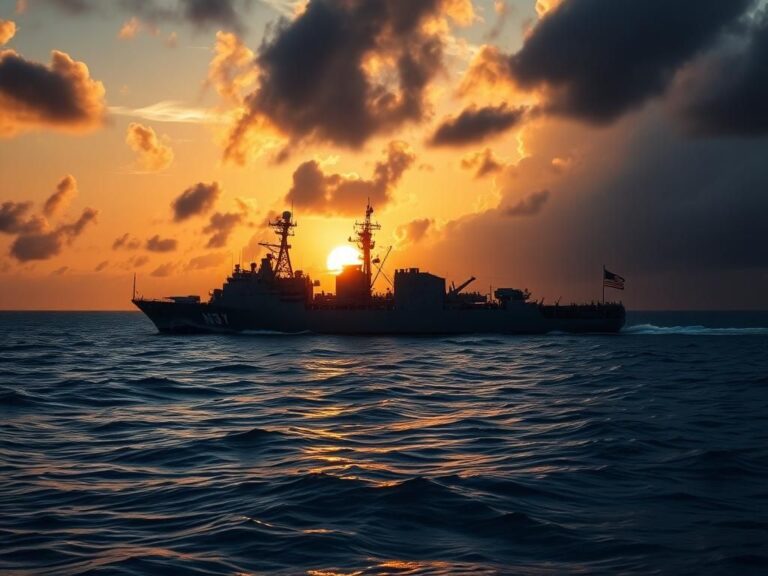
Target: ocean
(127, 452)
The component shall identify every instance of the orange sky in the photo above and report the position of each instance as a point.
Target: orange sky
(134, 109)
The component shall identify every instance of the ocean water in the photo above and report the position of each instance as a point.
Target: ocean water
(127, 452)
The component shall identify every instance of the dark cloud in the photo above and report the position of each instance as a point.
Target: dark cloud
(203, 14)
(126, 242)
(315, 191)
(345, 70)
(14, 219)
(476, 124)
(528, 206)
(220, 226)
(43, 245)
(103, 265)
(195, 200)
(157, 244)
(725, 93)
(483, 163)
(66, 190)
(61, 96)
(597, 59)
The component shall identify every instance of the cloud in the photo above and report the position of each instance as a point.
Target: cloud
(206, 261)
(232, 67)
(414, 231)
(202, 14)
(7, 31)
(483, 163)
(528, 206)
(169, 111)
(220, 226)
(66, 190)
(315, 191)
(44, 245)
(157, 244)
(104, 264)
(195, 200)
(343, 71)
(126, 242)
(61, 96)
(153, 155)
(476, 124)
(598, 59)
(14, 220)
(164, 270)
(129, 29)
(725, 92)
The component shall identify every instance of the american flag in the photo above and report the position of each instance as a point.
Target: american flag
(611, 280)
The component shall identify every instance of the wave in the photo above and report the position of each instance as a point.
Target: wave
(652, 329)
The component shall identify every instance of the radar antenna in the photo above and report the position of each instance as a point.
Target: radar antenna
(283, 227)
(364, 240)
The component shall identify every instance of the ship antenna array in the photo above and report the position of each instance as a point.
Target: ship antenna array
(283, 227)
(364, 240)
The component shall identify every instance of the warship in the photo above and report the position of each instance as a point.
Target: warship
(273, 297)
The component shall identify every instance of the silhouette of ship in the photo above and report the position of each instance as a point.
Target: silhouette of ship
(274, 297)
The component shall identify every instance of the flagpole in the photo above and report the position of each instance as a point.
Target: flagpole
(602, 281)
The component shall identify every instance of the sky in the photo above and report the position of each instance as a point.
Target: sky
(528, 143)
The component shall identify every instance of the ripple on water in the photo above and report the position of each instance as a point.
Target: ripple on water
(123, 452)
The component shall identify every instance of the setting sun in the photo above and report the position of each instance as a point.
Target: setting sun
(342, 256)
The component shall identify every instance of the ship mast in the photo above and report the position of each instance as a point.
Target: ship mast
(364, 240)
(283, 227)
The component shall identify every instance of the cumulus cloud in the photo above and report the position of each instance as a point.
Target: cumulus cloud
(66, 190)
(195, 200)
(528, 206)
(7, 31)
(598, 59)
(414, 231)
(157, 244)
(61, 96)
(129, 29)
(153, 155)
(44, 245)
(476, 124)
(483, 163)
(345, 70)
(126, 242)
(220, 226)
(232, 67)
(725, 92)
(315, 191)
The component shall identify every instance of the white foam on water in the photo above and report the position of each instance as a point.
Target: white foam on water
(693, 330)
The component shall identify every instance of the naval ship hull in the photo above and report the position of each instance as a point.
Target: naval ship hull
(200, 317)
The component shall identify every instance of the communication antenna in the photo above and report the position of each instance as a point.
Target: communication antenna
(134, 286)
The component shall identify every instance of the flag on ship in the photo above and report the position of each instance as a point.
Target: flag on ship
(611, 280)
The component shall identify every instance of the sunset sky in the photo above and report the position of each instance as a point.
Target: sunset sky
(526, 143)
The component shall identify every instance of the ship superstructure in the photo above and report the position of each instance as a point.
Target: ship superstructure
(272, 296)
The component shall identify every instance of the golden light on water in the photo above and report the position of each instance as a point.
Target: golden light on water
(342, 256)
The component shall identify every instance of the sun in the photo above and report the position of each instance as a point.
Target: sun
(342, 256)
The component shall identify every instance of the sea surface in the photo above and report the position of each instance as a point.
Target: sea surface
(123, 451)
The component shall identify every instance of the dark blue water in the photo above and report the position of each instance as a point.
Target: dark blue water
(126, 452)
